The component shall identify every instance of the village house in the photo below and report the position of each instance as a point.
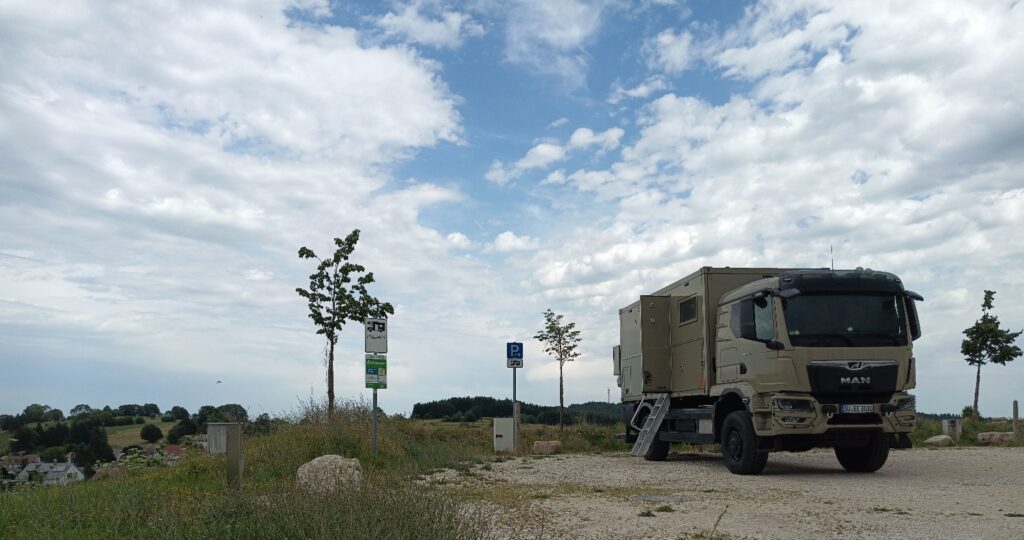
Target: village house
(50, 474)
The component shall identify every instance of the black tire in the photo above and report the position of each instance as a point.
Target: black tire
(658, 450)
(865, 459)
(739, 445)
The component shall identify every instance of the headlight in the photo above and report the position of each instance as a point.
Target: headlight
(793, 405)
(909, 404)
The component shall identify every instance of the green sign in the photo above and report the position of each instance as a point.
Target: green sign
(376, 371)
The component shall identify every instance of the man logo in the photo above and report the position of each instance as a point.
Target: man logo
(854, 380)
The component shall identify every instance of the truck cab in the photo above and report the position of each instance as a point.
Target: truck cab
(762, 360)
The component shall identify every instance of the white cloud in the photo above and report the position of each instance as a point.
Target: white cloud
(605, 140)
(459, 241)
(645, 89)
(558, 123)
(508, 241)
(448, 30)
(549, 37)
(540, 156)
(671, 52)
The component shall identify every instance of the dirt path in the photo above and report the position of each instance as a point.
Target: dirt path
(947, 493)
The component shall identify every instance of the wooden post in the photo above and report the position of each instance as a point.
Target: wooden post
(234, 456)
(1016, 421)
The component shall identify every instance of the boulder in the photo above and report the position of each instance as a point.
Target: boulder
(995, 437)
(547, 447)
(329, 474)
(939, 440)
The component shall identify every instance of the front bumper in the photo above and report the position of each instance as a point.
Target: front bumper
(814, 418)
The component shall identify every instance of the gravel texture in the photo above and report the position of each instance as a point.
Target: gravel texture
(925, 493)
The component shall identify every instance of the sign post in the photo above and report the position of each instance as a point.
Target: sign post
(514, 358)
(376, 365)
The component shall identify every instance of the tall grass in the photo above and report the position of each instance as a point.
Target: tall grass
(189, 500)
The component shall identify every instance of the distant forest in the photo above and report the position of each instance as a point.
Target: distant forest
(470, 409)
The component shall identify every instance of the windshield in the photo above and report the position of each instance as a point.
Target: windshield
(845, 320)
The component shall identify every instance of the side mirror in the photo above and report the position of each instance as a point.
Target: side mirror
(775, 345)
(912, 318)
(789, 293)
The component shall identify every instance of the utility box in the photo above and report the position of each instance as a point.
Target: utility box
(217, 438)
(503, 435)
(952, 427)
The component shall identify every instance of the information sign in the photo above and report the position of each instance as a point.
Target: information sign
(376, 371)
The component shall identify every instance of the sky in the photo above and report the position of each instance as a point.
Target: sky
(161, 163)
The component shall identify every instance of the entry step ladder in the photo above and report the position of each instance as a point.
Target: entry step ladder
(651, 426)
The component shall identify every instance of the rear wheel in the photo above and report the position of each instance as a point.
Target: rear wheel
(658, 450)
(865, 459)
(739, 445)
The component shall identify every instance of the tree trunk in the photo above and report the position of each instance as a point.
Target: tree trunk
(561, 397)
(977, 384)
(330, 381)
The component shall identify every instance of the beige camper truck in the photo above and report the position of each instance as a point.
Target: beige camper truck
(771, 359)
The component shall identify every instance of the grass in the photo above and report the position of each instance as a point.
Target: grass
(121, 436)
(968, 437)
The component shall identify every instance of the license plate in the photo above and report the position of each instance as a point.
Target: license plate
(856, 408)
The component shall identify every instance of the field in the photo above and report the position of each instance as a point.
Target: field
(121, 436)
(434, 479)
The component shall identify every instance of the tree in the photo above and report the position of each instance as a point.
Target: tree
(986, 342)
(151, 410)
(560, 341)
(35, 412)
(79, 410)
(179, 412)
(336, 295)
(24, 439)
(151, 433)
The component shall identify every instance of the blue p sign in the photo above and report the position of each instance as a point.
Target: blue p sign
(514, 350)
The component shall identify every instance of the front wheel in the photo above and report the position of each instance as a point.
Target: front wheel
(865, 459)
(739, 445)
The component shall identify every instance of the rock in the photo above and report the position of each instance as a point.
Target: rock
(547, 447)
(329, 474)
(939, 440)
(995, 437)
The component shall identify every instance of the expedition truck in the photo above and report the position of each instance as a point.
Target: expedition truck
(771, 359)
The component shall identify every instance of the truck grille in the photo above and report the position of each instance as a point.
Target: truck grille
(839, 377)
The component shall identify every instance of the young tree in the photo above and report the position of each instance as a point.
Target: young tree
(560, 341)
(151, 433)
(986, 342)
(336, 295)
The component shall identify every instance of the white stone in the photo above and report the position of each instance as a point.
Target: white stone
(547, 447)
(939, 440)
(328, 474)
(995, 437)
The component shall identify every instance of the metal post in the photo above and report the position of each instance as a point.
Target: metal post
(515, 415)
(374, 420)
(234, 458)
(1016, 421)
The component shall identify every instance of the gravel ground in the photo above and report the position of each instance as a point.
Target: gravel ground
(935, 493)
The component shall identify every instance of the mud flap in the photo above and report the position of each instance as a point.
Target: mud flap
(900, 441)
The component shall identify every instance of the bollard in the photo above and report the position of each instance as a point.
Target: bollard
(1016, 421)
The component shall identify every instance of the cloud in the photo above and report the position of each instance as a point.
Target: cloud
(448, 30)
(558, 123)
(508, 241)
(549, 37)
(605, 140)
(670, 51)
(539, 156)
(459, 240)
(643, 90)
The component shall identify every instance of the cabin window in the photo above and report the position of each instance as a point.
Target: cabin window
(688, 310)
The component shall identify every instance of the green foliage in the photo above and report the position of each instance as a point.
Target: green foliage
(179, 413)
(151, 434)
(336, 295)
(185, 427)
(985, 342)
(560, 341)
